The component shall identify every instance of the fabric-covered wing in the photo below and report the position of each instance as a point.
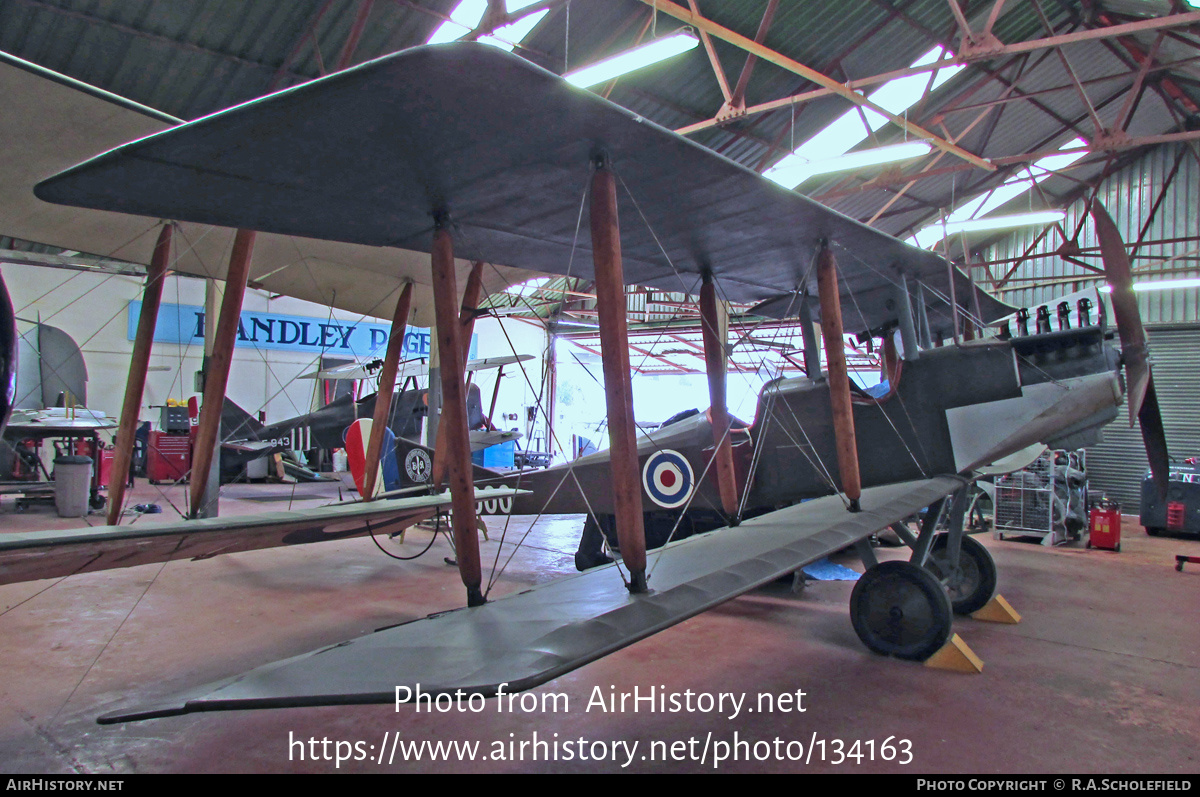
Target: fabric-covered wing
(529, 638)
(28, 556)
(371, 154)
(63, 122)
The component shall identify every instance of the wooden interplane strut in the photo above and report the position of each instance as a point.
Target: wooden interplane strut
(839, 379)
(454, 415)
(714, 331)
(618, 387)
(216, 375)
(466, 323)
(387, 387)
(135, 386)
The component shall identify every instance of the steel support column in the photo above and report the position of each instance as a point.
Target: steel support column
(135, 386)
(618, 387)
(217, 375)
(839, 378)
(454, 414)
(714, 325)
(387, 388)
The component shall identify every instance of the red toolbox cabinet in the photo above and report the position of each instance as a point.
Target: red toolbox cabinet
(169, 457)
(1104, 526)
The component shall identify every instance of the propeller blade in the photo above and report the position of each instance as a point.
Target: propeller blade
(1155, 439)
(1143, 401)
(1129, 319)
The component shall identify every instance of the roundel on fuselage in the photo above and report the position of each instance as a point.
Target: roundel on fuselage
(668, 479)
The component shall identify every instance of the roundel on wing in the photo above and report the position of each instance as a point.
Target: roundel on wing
(667, 478)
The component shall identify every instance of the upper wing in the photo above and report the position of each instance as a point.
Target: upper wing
(28, 556)
(63, 122)
(370, 154)
(487, 363)
(526, 639)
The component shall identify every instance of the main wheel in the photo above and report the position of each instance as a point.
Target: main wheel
(901, 610)
(973, 583)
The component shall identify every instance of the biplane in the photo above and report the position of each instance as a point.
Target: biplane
(461, 148)
(244, 438)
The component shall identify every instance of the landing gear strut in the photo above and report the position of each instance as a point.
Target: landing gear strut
(899, 609)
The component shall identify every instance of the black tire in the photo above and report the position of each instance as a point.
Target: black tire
(976, 581)
(1154, 531)
(901, 610)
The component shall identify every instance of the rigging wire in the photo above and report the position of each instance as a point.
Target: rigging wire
(59, 286)
(113, 636)
(896, 392)
(539, 393)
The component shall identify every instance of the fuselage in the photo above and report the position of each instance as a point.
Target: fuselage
(952, 410)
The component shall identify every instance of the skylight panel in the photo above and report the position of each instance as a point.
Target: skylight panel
(1011, 188)
(847, 131)
(463, 19)
(467, 15)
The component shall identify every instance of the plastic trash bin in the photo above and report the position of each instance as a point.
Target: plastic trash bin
(72, 485)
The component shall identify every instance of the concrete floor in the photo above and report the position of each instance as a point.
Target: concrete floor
(1100, 676)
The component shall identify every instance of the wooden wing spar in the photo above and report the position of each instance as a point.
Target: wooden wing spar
(503, 149)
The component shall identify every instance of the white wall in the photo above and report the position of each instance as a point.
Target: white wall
(93, 309)
(518, 389)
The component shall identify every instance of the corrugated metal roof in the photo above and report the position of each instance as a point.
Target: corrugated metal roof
(192, 57)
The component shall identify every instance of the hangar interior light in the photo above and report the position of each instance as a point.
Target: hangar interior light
(797, 172)
(630, 60)
(1006, 222)
(848, 130)
(1159, 285)
(1011, 188)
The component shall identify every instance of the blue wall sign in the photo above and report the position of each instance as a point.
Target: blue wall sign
(184, 324)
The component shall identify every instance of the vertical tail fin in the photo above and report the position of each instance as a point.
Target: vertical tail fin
(356, 437)
(236, 423)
